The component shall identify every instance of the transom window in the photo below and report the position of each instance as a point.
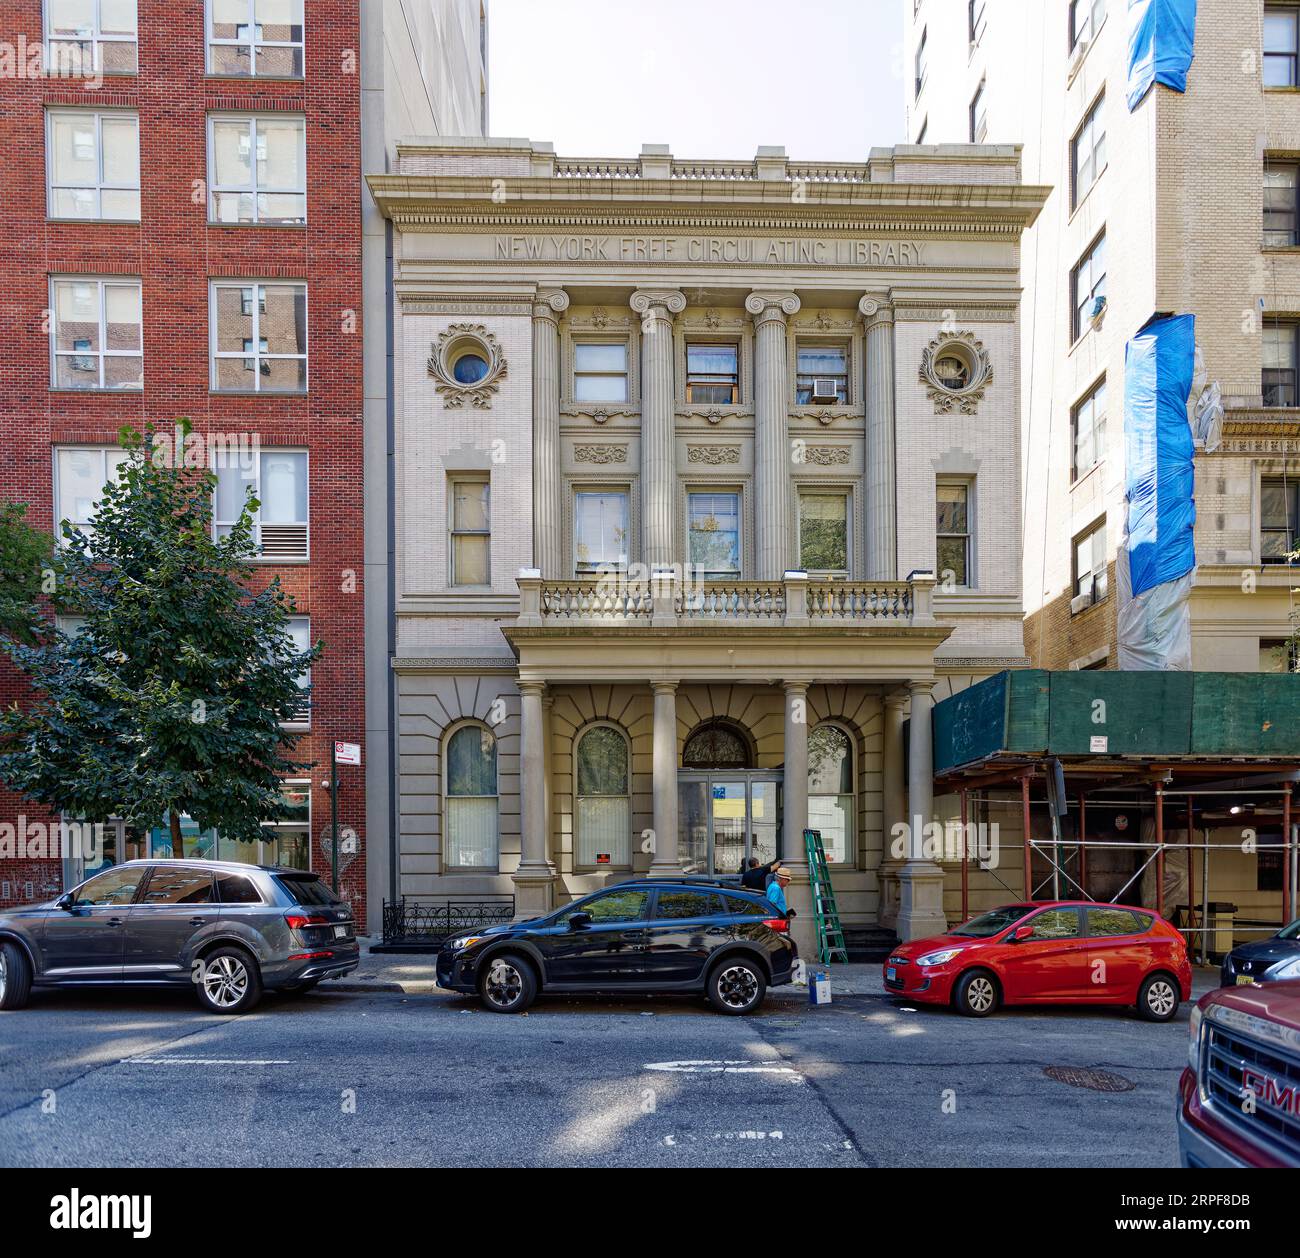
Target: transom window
(1281, 31)
(1088, 420)
(604, 800)
(84, 36)
(822, 374)
(471, 531)
(1090, 577)
(824, 532)
(96, 335)
(255, 37)
(259, 337)
(1088, 286)
(1279, 519)
(600, 533)
(278, 480)
(830, 791)
(715, 746)
(1280, 217)
(713, 525)
(470, 840)
(257, 169)
(80, 475)
(952, 532)
(1278, 381)
(1086, 17)
(1087, 153)
(93, 164)
(712, 374)
(600, 371)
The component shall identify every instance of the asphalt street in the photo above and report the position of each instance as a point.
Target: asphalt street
(133, 1078)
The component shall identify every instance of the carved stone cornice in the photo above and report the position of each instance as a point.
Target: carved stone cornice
(550, 304)
(766, 306)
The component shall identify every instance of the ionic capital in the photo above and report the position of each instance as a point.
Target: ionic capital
(765, 306)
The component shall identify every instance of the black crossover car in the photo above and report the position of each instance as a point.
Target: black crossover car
(648, 936)
(229, 930)
(1264, 960)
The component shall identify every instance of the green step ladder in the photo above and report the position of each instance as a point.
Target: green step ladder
(830, 935)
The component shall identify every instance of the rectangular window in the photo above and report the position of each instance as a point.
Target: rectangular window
(824, 533)
(975, 20)
(1086, 17)
(1087, 153)
(1278, 380)
(713, 525)
(255, 37)
(300, 632)
(712, 374)
(278, 480)
(979, 117)
(1088, 420)
(1280, 217)
(1090, 564)
(600, 532)
(925, 127)
(286, 842)
(86, 36)
(1279, 655)
(952, 532)
(920, 64)
(1088, 287)
(259, 337)
(600, 371)
(92, 165)
(1279, 519)
(257, 169)
(1281, 29)
(80, 474)
(821, 375)
(471, 532)
(96, 338)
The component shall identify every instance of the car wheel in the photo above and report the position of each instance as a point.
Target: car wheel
(15, 977)
(976, 994)
(737, 986)
(507, 984)
(1158, 998)
(229, 981)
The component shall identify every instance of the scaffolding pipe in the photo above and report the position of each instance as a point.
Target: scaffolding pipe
(1288, 904)
(1191, 877)
(1024, 808)
(1083, 844)
(1205, 897)
(1160, 850)
(965, 852)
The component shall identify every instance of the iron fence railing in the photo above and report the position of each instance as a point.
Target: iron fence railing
(433, 919)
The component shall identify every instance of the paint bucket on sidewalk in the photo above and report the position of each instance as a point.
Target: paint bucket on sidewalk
(819, 988)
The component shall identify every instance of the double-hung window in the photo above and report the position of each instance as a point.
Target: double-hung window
(600, 533)
(471, 531)
(277, 479)
(80, 474)
(1278, 378)
(85, 37)
(257, 169)
(920, 64)
(713, 526)
(300, 635)
(1279, 519)
(1281, 221)
(259, 337)
(262, 38)
(1086, 17)
(979, 115)
(1281, 35)
(821, 374)
(824, 532)
(1088, 287)
(600, 371)
(96, 338)
(1089, 424)
(1090, 564)
(712, 374)
(92, 164)
(1087, 153)
(953, 532)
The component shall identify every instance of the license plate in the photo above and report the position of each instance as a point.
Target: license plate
(891, 974)
(1244, 980)
(340, 932)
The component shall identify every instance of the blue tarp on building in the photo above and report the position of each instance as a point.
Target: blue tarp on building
(1161, 35)
(1158, 451)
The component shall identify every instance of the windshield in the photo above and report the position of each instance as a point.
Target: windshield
(989, 924)
(1290, 932)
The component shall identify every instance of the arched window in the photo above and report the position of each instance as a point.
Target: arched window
(604, 807)
(471, 833)
(715, 746)
(830, 791)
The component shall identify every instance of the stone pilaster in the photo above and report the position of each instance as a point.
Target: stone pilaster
(881, 466)
(535, 878)
(795, 792)
(548, 543)
(658, 409)
(665, 862)
(772, 399)
(920, 910)
(894, 805)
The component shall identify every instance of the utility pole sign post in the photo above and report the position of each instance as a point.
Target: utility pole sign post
(340, 753)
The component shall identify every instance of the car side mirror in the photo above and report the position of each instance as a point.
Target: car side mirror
(65, 901)
(1021, 933)
(580, 921)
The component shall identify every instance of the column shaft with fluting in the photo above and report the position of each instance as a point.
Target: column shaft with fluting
(548, 543)
(658, 409)
(879, 515)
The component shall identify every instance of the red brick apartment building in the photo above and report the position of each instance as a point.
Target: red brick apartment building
(180, 235)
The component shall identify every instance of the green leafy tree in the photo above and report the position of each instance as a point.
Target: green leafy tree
(171, 697)
(25, 574)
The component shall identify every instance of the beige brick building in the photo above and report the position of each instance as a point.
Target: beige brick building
(1161, 210)
(705, 476)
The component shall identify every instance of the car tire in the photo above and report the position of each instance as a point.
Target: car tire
(736, 985)
(976, 994)
(229, 982)
(15, 976)
(1158, 998)
(507, 984)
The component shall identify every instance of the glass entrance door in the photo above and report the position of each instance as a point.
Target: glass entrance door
(724, 818)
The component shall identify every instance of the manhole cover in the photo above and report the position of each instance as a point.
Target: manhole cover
(1087, 1077)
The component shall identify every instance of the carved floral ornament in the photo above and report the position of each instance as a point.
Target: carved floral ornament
(955, 369)
(468, 365)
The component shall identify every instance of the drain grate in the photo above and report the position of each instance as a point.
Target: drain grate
(1089, 1077)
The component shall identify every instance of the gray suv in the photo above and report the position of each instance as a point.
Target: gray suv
(231, 930)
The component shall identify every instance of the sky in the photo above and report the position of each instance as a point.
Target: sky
(710, 78)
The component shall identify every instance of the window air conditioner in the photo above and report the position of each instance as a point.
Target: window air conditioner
(1080, 50)
(1080, 602)
(1098, 312)
(825, 390)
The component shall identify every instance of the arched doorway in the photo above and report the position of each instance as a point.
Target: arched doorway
(727, 810)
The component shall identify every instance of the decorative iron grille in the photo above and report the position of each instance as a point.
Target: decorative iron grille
(433, 919)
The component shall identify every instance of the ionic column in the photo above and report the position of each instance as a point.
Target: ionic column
(771, 447)
(658, 409)
(920, 880)
(548, 548)
(665, 863)
(881, 469)
(535, 877)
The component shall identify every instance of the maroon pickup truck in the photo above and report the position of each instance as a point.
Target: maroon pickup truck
(1240, 1094)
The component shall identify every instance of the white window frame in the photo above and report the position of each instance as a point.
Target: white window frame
(1097, 574)
(252, 43)
(256, 354)
(253, 188)
(95, 37)
(256, 482)
(1092, 132)
(1080, 320)
(625, 344)
(1090, 401)
(102, 453)
(102, 282)
(625, 492)
(101, 185)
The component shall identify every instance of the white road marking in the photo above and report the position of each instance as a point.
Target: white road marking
(205, 1061)
(726, 1067)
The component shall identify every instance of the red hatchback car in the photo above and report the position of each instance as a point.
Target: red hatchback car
(1057, 952)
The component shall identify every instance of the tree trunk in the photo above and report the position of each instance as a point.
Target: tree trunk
(178, 843)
